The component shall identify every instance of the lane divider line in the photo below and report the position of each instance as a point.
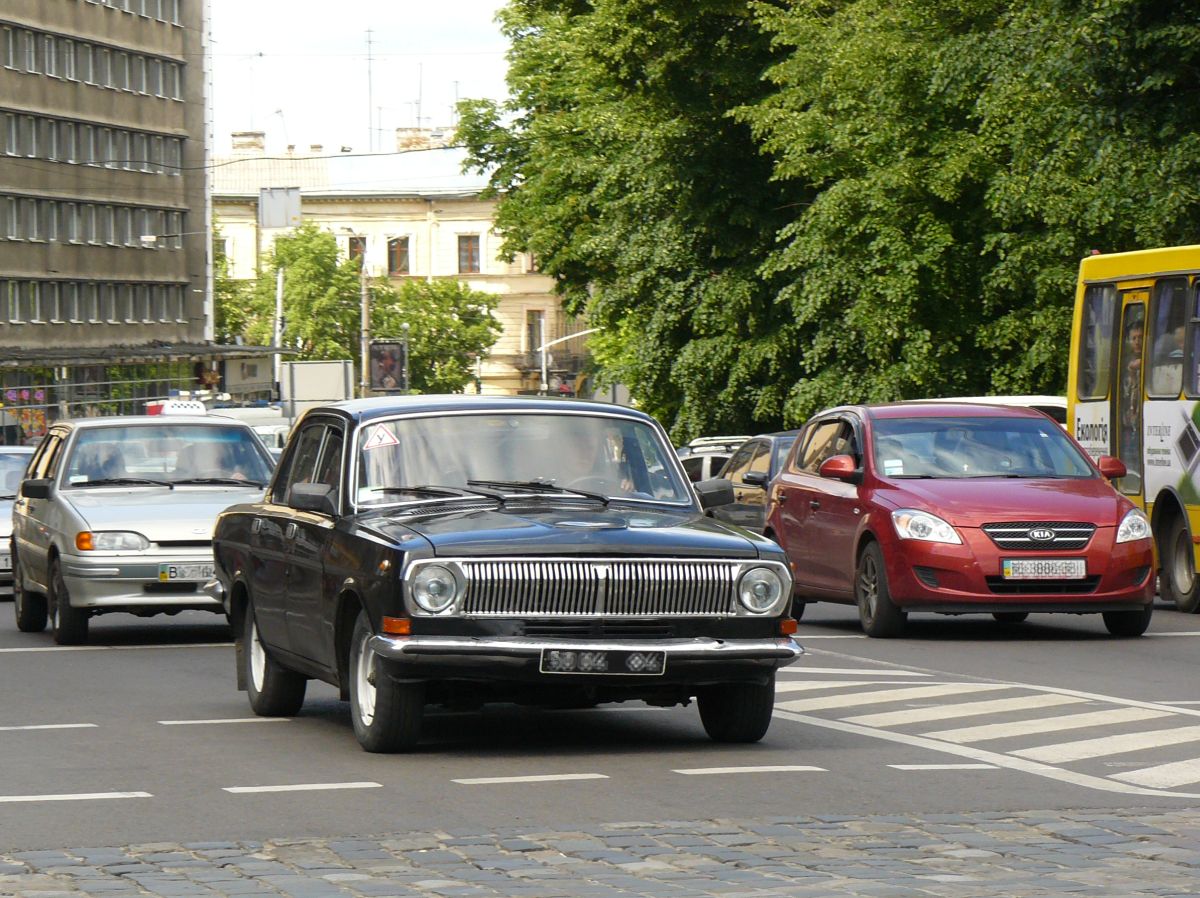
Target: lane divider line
(301, 787)
(779, 768)
(944, 766)
(545, 778)
(182, 723)
(78, 796)
(50, 726)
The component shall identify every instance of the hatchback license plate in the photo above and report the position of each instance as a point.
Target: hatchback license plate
(573, 661)
(167, 572)
(1044, 568)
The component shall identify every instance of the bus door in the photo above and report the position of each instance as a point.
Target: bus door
(1127, 414)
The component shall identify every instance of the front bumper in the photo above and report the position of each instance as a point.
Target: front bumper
(133, 583)
(517, 659)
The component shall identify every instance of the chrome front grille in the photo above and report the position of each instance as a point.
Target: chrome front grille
(590, 588)
(1064, 536)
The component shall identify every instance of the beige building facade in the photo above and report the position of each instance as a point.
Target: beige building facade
(409, 214)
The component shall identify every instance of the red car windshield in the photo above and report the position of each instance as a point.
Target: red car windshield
(954, 447)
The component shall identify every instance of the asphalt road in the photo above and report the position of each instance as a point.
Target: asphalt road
(142, 737)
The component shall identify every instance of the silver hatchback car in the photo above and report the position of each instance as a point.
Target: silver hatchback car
(117, 514)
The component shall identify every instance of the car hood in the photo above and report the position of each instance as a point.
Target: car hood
(183, 514)
(970, 503)
(558, 531)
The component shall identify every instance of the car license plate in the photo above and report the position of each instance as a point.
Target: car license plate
(1044, 568)
(168, 572)
(572, 661)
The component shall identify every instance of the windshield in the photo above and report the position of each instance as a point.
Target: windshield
(613, 457)
(12, 470)
(166, 453)
(975, 447)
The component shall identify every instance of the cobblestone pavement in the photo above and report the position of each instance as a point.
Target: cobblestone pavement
(1088, 853)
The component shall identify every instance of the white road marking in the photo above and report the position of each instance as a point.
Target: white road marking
(853, 671)
(1158, 635)
(1046, 724)
(810, 685)
(1109, 745)
(51, 726)
(180, 723)
(302, 787)
(1164, 776)
(78, 796)
(964, 709)
(781, 768)
(805, 637)
(886, 695)
(114, 648)
(1167, 701)
(546, 778)
(944, 766)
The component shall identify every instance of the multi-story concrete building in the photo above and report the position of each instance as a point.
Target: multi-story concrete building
(409, 214)
(105, 289)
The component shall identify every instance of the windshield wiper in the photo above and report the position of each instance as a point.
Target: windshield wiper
(433, 489)
(8, 495)
(228, 481)
(539, 486)
(125, 481)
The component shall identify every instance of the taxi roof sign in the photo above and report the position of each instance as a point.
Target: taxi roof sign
(176, 407)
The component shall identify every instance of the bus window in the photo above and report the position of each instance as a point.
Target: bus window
(1193, 383)
(1129, 394)
(1168, 322)
(1096, 352)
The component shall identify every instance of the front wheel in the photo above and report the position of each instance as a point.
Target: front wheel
(1128, 623)
(274, 690)
(879, 615)
(29, 608)
(386, 714)
(1010, 617)
(1179, 582)
(798, 606)
(737, 712)
(70, 625)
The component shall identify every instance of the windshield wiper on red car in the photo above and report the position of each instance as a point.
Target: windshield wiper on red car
(224, 481)
(540, 486)
(125, 481)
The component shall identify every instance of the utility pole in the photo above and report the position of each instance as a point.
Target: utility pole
(370, 100)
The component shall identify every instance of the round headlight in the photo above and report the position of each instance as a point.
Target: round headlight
(759, 590)
(434, 588)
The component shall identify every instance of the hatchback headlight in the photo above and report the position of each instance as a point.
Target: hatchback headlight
(1134, 526)
(914, 524)
(759, 590)
(435, 589)
(110, 541)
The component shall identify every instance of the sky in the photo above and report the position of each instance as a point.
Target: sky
(298, 70)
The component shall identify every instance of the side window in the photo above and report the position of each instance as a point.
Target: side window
(762, 459)
(1192, 385)
(45, 459)
(1169, 311)
(53, 456)
(693, 466)
(1096, 341)
(844, 443)
(303, 461)
(330, 468)
(821, 445)
(739, 464)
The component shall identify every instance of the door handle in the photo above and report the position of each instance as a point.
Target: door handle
(256, 525)
(290, 530)
(814, 504)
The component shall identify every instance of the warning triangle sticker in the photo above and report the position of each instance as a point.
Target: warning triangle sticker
(381, 437)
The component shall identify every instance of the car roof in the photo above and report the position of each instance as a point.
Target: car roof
(134, 420)
(384, 406)
(924, 409)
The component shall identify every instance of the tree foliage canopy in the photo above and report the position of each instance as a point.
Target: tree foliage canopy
(784, 205)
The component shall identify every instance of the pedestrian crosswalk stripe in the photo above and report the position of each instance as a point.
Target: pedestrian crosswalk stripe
(849, 700)
(1046, 724)
(1109, 745)
(1164, 776)
(802, 670)
(815, 685)
(965, 709)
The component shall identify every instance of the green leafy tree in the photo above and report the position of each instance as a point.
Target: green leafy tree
(232, 310)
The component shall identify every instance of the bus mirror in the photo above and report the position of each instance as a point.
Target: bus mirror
(1111, 468)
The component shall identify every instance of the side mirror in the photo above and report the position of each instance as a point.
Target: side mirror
(714, 492)
(1111, 468)
(840, 467)
(35, 489)
(755, 478)
(312, 497)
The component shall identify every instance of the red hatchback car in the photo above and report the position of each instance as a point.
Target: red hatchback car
(956, 508)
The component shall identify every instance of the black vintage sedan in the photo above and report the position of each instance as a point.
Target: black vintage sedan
(457, 550)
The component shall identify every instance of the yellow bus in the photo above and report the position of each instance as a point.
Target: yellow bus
(1133, 391)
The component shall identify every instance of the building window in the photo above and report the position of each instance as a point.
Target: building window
(398, 256)
(535, 328)
(356, 247)
(468, 253)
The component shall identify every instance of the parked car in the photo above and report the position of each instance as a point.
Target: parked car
(954, 509)
(704, 457)
(456, 550)
(13, 460)
(117, 515)
(749, 470)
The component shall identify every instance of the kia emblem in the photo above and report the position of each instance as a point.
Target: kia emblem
(1041, 535)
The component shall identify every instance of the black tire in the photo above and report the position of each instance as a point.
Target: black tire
(878, 614)
(386, 714)
(274, 690)
(1010, 617)
(798, 606)
(737, 712)
(1179, 583)
(1126, 624)
(29, 608)
(69, 625)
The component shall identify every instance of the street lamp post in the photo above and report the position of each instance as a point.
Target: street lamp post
(404, 343)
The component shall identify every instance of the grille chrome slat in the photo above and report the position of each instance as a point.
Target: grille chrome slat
(613, 588)
(1068, 536)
